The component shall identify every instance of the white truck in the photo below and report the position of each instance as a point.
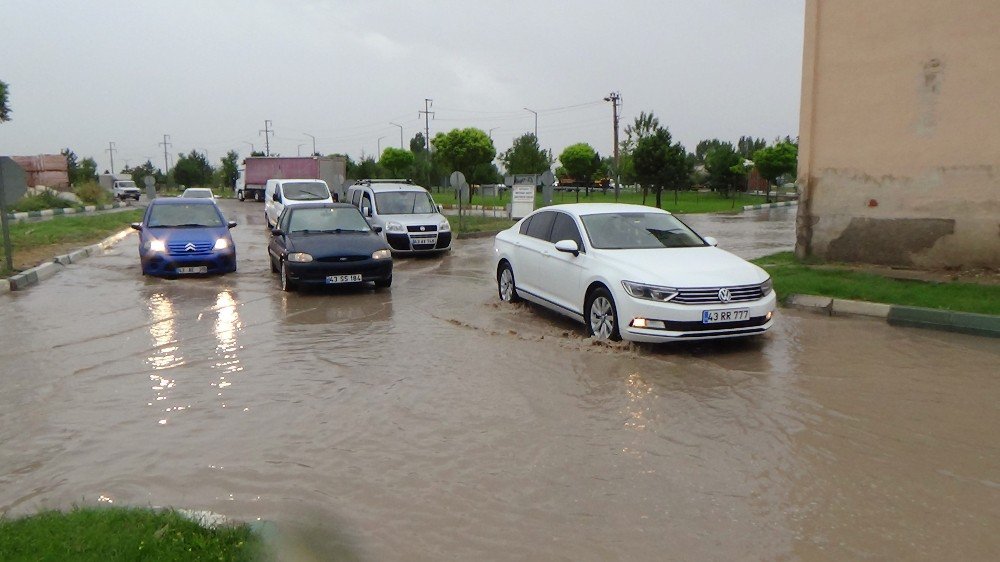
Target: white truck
(121, 187)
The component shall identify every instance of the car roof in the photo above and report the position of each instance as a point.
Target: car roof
(298, 206)
(197, 189)
(384, 187)
(181, 201)
(581, 209)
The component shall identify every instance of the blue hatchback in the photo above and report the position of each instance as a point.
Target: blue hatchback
(184, 237)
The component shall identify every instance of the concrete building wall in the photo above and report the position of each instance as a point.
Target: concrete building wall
(899, 158)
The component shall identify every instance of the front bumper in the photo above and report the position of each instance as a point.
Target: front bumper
(219, 261)
(402, 243)
(316, 272)
(684, 322)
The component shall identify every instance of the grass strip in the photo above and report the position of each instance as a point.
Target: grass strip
(34, 242)
(687, 201)
(792, 276)
(478, 223)
(113, 534)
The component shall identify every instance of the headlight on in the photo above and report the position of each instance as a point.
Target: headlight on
(445, 226)
(157, 246)
(649, 292)
(221, 244)
(394, 227)
(300, 257)
(381, 255)
(766, 287)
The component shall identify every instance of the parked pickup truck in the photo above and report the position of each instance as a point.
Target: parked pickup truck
(121, 187)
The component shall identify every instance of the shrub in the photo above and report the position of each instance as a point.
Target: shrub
(91, 193)
(44, 200)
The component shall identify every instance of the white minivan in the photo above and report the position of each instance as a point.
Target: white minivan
(410, 220)
(281, 193)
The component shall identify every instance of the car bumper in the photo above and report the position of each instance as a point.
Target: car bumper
(402, 243)
(222, 261)
(316, 272)
(684, 322)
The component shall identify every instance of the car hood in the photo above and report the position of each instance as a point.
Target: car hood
(323, 245)
(705, 266)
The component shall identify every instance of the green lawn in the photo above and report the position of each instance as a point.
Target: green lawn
(475, 223)
(122, 534)
(794, 277)
(687, 201)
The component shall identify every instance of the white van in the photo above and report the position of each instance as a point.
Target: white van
(281, 193)
(411, 222)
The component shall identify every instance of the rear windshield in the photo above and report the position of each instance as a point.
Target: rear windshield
(305, 190)
(344, 219)
(404, 203)
(165, 216)
(621, 231)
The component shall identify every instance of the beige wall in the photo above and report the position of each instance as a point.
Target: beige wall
(899, 157)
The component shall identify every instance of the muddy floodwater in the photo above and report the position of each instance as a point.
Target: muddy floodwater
(430, 422)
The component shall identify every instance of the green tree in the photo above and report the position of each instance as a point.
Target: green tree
(724, 166)
(230, 169)
(72, 166)
(367, 168)
(464, 150)
(193, 169)
(747, 146)
(703, 147)
(777, 160)
(398, 162)
(418, 144)
(661, 163)
(4, 106)
(580, 161)
(87, 170)
(525, 156)
(139, 173)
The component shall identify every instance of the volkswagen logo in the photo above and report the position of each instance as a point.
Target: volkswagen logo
(190, 247)
(725, 295)
(423, 228)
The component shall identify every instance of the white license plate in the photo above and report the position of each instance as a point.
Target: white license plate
(333, 279)
(196, 269)
(423, 241)
(722, 316)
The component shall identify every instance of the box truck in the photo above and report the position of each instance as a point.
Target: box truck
(258, 169)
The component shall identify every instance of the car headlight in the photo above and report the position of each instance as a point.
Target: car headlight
(300, 257)
(157, 246)
(221, 244)
(394, 227)
(766, 287)
(649, 292)
(381, 255)
(445, 226)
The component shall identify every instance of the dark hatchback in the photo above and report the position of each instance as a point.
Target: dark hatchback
(184, 237)
(328, 244)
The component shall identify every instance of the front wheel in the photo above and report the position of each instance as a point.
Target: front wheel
(240, 196)
(602, 316)
(505, 284)
(286, 281)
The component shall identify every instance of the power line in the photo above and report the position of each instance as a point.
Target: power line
(428, 103)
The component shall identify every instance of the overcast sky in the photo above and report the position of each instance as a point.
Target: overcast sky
(209, 72)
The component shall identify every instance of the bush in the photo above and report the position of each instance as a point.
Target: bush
(91, 193)
(44, 200)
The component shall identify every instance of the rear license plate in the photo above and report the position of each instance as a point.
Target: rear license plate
(723, 316)
(334, 279)
(196, 269)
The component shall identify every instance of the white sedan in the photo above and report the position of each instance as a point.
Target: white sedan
(631, 272)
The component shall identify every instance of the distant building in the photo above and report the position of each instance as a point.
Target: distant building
(899, 160)
(50, 170)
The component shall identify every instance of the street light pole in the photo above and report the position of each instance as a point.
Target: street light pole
(380, 146)
(252, 149)
(298, 150)
(491, 132)
(536, 121)
(314, 142)
(400, 134)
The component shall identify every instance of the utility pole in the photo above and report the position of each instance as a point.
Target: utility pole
(490, 133)
(111, 150)
(616, 100)
(267, 132)
(314, 142)
(428, 104)
(380, 146)
(536, 121)
(400, 134)
(166, 143)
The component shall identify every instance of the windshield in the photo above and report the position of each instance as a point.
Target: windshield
(305, 191)
(337, 219)
(622, 231)
(126, 184)
(166, 216)
(404, 203)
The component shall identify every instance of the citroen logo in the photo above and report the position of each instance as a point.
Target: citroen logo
(725, 295)
(190, 247)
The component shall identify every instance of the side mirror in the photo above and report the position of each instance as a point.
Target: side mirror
(710, 240)
(277, 232)
(231, 224)
(377, 229)
(276, 198)
(440, 208)
(568, 246)
(136, 225)
(367, 211)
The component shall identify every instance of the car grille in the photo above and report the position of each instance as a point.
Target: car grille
(677, 326)
(343, 259)
(181, 248)
(426, 228)
(710, 295)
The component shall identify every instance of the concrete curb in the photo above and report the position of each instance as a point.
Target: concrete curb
(45, 213)
(770, 205)
(49, 269)
(897, 315)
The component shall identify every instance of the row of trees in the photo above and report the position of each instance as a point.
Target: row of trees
(191, 169)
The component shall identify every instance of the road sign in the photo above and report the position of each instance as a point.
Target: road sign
(508, 181)
(522, 199)
(150, 183)
(547, 179)
(457, 181)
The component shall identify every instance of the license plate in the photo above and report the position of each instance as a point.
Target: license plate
(423, 241)
(333, 279)
(722, 316)
(196, 269)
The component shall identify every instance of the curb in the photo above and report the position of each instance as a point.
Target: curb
(48, 269)
(898, 315)
(65, 211)
(770, 205)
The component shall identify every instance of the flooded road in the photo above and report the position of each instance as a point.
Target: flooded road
(429, 422)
